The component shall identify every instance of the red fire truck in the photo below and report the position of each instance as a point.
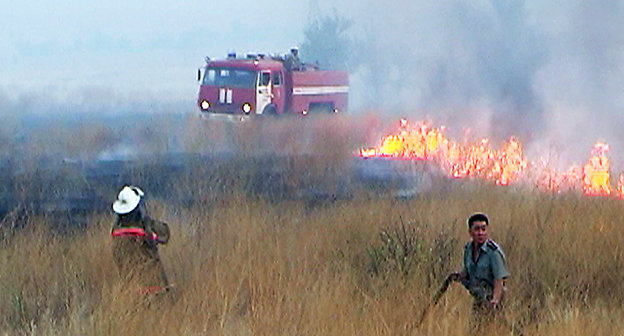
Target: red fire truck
(257, 85)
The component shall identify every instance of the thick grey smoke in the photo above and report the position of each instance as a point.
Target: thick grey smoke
(550, 72)
(581, 85)
(456, 57)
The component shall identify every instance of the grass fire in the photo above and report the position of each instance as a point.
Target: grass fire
(277, 228)
(502, 166)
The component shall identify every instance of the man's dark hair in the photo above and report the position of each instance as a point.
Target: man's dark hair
(478, 217)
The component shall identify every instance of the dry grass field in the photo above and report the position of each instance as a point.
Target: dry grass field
(367, 265)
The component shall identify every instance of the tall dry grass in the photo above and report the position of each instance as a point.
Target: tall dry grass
(246, 267)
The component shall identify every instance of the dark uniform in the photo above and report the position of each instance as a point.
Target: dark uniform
(135, 250)
(480, 276)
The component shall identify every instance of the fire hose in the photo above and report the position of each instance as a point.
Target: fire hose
(440, 292)
(436, 297)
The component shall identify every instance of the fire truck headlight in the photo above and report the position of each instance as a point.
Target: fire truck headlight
(246, 107)
(205, 104)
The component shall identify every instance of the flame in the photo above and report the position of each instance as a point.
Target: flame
(512, 162)
(596, 176)
(556, 182)
(368, 152)
(479, 161)
(503, 166)
(392, 146)
(620, 188)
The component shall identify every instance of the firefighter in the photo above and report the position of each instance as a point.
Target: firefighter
(484, 272)
(292, 61)
(136, 237)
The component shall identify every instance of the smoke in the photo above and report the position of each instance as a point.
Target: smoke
(86, 100)
(581, 85)
(454, 58)
(550, 73)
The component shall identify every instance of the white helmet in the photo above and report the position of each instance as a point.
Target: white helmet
(128, 199)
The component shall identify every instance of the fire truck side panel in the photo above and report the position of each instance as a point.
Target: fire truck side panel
(322, 89)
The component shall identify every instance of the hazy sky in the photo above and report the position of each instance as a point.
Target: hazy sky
(134, 45)
(554, 67)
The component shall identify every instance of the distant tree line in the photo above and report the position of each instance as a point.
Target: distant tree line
(327, 43)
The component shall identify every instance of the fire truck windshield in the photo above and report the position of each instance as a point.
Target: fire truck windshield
(230, 77)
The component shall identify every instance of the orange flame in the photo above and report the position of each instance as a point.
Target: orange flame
(368, 152)
(555, 181)
(512, 163)
(504, 167)
(596, 176)
(423, 143)
(620, 188)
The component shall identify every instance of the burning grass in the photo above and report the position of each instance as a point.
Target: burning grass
(476, 159)
(246, 267)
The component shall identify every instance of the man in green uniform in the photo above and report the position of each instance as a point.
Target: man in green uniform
(136, 237)
(484, 271)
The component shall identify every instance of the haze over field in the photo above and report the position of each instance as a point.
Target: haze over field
(278, 227)
(549, 71)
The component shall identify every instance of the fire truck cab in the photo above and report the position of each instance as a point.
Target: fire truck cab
(257, 85)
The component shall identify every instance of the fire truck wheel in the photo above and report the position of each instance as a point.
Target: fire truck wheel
(321, 108)
(270, 111)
